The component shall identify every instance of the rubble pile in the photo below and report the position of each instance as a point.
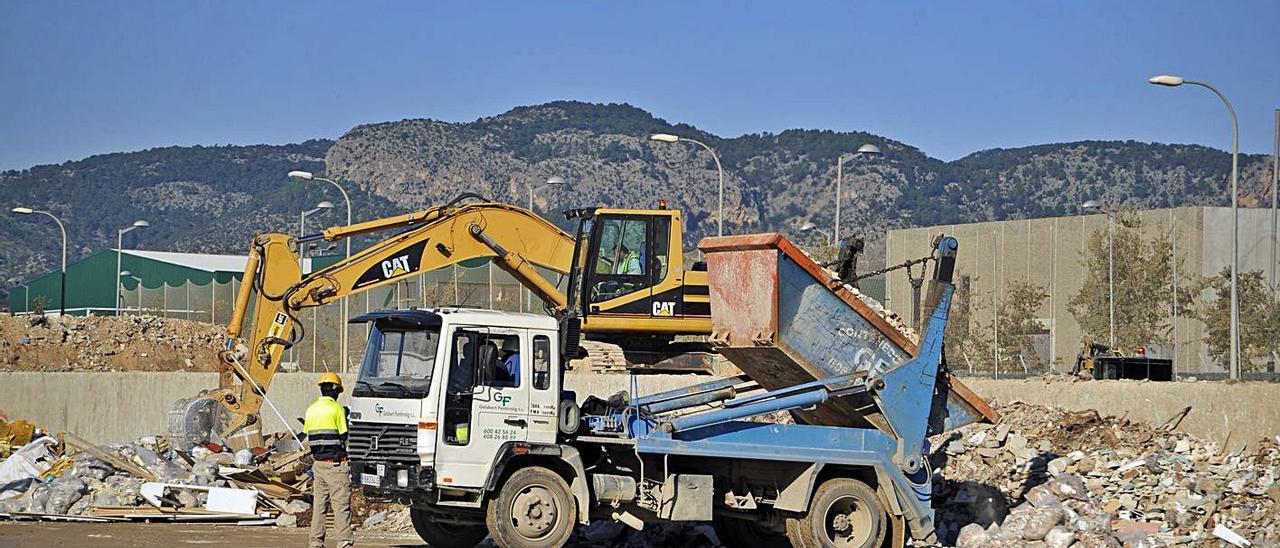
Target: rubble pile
(66, 477)
(108, 343)
(1077, 478)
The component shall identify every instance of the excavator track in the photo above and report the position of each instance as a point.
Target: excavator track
(676, 357)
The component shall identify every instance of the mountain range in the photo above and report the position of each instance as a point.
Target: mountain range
(214, 198)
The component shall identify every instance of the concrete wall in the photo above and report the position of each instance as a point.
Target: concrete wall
(117, 407)
(1228, 413)
(1048, 252)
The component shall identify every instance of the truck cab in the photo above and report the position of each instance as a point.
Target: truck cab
(442, 393)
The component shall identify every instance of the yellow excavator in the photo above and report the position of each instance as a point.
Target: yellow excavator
(628, 294)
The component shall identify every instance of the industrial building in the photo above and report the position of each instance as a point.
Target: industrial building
(1049, 252)
(188, 285)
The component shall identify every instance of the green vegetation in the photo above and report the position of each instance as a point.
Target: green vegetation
(1259, 319)
(1144, 286)
(1006, 341)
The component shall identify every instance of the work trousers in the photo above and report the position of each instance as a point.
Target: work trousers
(331, 486)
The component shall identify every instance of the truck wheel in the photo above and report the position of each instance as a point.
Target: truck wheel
(445, 535)
(745, 533)
(534, 509)
(844, 513)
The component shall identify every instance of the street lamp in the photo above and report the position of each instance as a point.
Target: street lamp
(308, 176)
(63, 290)
(120, 245)
(1175, 81)
(551, 181)
(866, 150)
(526, 296)
(555, 180)
(668, 138)
(302, 227)
(810, 226)
(1094, 205)
(127, 274)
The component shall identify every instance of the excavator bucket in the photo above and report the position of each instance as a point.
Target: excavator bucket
(201, 419)
(195, 421)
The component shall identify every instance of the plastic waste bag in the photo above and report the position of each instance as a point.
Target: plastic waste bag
(24, 467)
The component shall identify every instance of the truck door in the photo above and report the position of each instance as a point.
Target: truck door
(544, 391)
(484, 407)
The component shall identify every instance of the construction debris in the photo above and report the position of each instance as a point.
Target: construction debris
(108, 343)
(1078, 478)
(66, 477)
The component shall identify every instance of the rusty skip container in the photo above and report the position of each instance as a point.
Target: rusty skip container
(785, 320)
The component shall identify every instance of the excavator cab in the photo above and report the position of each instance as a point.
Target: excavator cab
(629, 277)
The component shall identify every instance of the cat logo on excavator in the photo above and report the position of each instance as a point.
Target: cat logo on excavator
(395, 266)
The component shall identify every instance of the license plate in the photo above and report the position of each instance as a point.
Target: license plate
(373, 480)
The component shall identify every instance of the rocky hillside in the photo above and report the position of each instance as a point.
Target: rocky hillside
(213, 199)
(773, 181)
(197, 199)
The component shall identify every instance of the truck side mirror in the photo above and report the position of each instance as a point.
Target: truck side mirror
(486, 360)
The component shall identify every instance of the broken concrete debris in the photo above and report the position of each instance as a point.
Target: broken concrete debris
(1080, 479)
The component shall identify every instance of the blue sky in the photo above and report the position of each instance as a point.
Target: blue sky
(951, 78)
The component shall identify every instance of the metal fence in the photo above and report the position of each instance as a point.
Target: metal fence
(482, 286)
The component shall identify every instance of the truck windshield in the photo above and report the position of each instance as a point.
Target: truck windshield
(398, 363)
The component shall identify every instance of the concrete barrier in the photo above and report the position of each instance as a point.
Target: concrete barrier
(114, 407)
(1231, 414)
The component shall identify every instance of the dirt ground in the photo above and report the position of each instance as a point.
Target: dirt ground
(158, 535)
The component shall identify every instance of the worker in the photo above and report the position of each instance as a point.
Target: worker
(510, 356)
(629, 263)
(326, 428)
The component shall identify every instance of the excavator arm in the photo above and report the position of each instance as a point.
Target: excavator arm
(275, 290)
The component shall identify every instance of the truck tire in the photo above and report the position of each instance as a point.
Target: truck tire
(533, 509)
(745, 533)
(445, 535)
(843, 513)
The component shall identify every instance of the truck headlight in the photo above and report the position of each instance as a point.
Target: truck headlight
(402, 478)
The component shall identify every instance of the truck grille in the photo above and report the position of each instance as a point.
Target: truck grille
(378, 442)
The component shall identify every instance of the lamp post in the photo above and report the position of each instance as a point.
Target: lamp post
(127, 274)
(302, 228)
(308, 176)
(1275, 181)
(864, 150)
(810, 226)
(63, 289)
(1094, 205)
(1175, 81)
(526, 296)
(119, 256)
(668, 138)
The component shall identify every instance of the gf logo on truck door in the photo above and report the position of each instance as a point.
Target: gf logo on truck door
(405, 262)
